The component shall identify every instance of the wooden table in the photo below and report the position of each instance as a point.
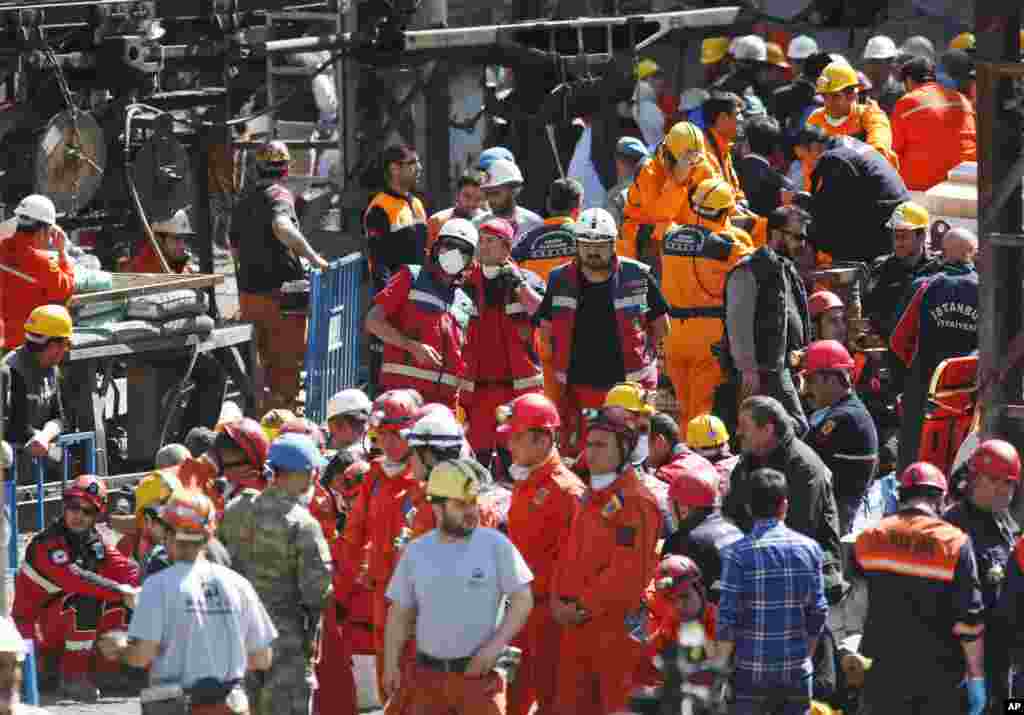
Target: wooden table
(87, 397)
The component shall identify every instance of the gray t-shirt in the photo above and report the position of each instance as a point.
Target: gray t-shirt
(457, 588)
(207, 619)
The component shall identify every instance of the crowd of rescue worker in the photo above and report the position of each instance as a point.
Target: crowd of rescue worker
(519, 518)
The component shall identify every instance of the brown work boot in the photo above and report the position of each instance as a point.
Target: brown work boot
(79, 688)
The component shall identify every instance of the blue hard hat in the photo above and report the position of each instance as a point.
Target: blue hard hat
(294, 452)
(631, 147)
(489, 156)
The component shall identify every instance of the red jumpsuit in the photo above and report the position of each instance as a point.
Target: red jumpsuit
(379, 523)
(68, 591)
(543, 507)
(604, 568)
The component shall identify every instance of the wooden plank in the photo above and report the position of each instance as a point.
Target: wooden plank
(129, 285)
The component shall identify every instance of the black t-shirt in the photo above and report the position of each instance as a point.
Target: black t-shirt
(596, 359)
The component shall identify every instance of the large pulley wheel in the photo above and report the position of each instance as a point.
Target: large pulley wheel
(163, 173)
(70, 158)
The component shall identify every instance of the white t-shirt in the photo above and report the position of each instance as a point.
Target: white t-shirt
(207, 619)
(457, 588)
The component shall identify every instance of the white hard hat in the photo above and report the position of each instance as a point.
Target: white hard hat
(347, 402)
(229, 412)
(37, 207)
(11, 640)
(460, 228)
(880, 47)
(177, 224)
(918, 46)
(502, 172)
(437, 428)
(836, 57)
(596, 225)
(750, 47)
(801, 47)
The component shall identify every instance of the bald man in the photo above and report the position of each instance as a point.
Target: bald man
(939, 322)
(959, 246)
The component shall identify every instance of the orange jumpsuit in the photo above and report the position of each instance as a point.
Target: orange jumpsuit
(718, 154)
(654, 202)
(866, 121)
(604, 568)
(379, 524)
(54, 283)
(933, 130)
(694, 273)
(542, 511)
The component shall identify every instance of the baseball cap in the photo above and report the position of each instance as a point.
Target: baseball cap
(294, 452)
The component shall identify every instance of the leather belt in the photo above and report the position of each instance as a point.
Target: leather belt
(453, 665)
(717, 311)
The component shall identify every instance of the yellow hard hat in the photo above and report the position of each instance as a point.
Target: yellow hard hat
(836, 77)
(682, 139)
(49, 321)
(776, 56)
(630, 396)
(155, 488)
(274, 420)
(646, 67)
(713, 196)
(909, 215)
(963, 41)
(713, 49)
(453, 479)
(706, 432)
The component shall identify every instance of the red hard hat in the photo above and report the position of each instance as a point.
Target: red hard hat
(996, 458)
(394, 411)
(827, 355)
(499, 228)
(696, 485)
(923, 474)
(533, 411)
(300, 425)
(821, 301)
(248, 434)
(675, 573)
(89, 488)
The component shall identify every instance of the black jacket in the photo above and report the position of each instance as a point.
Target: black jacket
(854, 192)
(812, 504)
(703, 543)
(761, 183)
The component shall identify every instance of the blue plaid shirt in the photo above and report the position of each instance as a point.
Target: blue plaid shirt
(772, 602)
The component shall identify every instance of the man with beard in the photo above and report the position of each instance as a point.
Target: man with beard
(983, 514)
(448, 588)
(601, 315)
(171, 235)
(469, 201)
(504, 182)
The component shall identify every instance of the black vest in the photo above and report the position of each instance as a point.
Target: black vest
(264, 262)
(771, 338)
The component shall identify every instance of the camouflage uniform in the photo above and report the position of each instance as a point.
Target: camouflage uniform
(280, 548)
(236, 516)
